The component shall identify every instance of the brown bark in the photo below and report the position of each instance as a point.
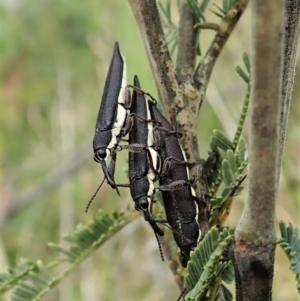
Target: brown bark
(182, 92)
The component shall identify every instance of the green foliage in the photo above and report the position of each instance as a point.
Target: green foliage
(246, 78)
(32, 280)
(87, 238)
(37, 283)
(231, 162)
(230, 169)
(197, 10)
(290, 243)
(219, 140)
(227, 5)
(13, 275)
(241, 72)
(221, 205)
(199, 17)
(171, 29)
(207, 268)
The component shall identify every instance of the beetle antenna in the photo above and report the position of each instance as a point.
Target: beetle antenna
(94, 195)
(159, 248)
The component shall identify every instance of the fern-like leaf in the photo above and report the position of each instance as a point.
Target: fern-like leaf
(241, 149)
(243, 115)
(221, 209)
(221, 141)
(290, 243)
(37, 284)
(32, 280)
(204, 5)
(166, 11)
(13, 275)
(196, 10)
(204, 269)
(171, 29)
(87, 238)
(232, 160)
(246, 61)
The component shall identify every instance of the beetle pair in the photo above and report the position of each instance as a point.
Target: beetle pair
(118, 115)
(154, 153)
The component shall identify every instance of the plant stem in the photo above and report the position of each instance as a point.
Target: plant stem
(255, 236)
(292, 30)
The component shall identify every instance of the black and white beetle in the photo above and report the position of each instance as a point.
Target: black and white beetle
(111, 121)
(180, 201)
(115, 120)
(113, 124)
(145, 162)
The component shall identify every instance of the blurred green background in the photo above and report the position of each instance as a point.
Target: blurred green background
(54, 56)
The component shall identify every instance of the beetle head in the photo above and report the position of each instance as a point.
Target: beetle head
(142, 204)
(107, 159)
(102, 154)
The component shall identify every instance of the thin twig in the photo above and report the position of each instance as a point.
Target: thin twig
(187, 36)
(182, 102)
(208, 25)
(204, 69)
(292, 30)
(196, 94)
(148, 21)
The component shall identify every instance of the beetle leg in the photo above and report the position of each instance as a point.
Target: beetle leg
(168, 162)
(127, 98)
(133, 147)
(143, 92)
(123, 185)
(174, 185)
(148, 217)
(109, 173)
(168, 132)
